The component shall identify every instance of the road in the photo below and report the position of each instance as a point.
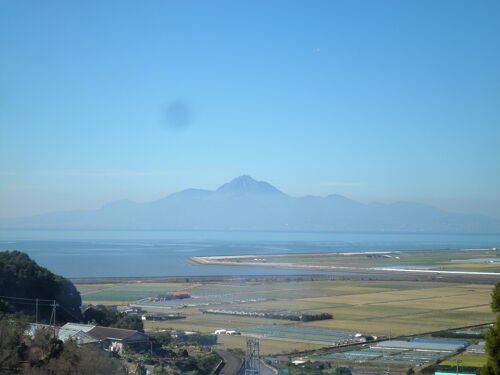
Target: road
(266, 369)
(232, 362)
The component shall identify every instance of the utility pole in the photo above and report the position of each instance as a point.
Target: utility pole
(458, 361)
(36, 311)
(53, 317)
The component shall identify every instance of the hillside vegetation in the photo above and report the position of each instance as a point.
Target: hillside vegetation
(22, 280)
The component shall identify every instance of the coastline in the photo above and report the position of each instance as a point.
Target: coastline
(266, 261)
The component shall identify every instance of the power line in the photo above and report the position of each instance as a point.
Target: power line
(70, 313)
(29, 303)
(37, 303)
(28, 299)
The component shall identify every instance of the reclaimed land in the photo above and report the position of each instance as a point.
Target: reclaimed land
(378, 307)
(470, 263)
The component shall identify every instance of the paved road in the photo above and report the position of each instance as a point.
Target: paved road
(233, 363)
(266, 369)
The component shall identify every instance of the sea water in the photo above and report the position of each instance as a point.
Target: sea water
(164, 253)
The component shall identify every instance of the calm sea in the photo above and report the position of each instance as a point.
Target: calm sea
(163, 253)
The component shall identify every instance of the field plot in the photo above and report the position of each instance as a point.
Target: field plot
(382, 357)
(219, 293)
(380, 308)
(395, 353)
(466, 359)
(303, 334)
(267, 346)
(200, 301)
(124, 292)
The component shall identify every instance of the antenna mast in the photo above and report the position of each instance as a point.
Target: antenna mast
(252, 357)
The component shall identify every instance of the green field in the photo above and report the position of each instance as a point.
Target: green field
(124, 293)
(467, 360)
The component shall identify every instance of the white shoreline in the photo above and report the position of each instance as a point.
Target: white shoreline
(231, 260)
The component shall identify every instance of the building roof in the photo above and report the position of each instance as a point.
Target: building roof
(79, 336)
(107, 333)
(434, 341)
(180, 293)
(79, 327)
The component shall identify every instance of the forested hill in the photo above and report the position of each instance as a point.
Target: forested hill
(22, 279)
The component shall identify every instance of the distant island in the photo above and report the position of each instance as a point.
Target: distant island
(247, 204)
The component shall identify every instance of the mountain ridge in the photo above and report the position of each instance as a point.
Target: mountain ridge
(247, 204)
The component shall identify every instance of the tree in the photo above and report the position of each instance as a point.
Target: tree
(21, 277)
(11, 333)
(129, 322)
(492, 366)
(161, 339)
(112, 318)
(495, 298)
(342, 371)
(43, 354)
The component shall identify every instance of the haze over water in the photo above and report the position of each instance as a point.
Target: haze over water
(164, 253)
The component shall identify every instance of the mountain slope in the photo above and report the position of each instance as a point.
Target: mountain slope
(246, 204)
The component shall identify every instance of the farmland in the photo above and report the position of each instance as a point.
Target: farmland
(122, 293)
(466, 359)
(381, 308)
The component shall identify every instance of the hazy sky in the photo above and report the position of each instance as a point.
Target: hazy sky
(375, 100)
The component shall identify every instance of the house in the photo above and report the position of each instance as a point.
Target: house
(117, 339)
(114, 339)
(80, 337)
(69, 331)
(79, 327)
(78, 333)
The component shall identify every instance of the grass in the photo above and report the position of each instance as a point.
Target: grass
(123, 293)
(467, 360)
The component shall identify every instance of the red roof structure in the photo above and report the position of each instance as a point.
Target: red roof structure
(180, 294)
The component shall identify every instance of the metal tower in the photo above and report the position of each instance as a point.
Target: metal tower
(252, 357)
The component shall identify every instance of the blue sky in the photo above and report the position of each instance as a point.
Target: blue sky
(375, 100)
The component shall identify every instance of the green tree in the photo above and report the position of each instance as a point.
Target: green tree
(495, 298)
(21, 277)
(129, 322)
(161, 339)
(112, 318)
(342, 371)
(492, 366)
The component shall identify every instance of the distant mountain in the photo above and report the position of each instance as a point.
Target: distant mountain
(247, 204)
(246, 185)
